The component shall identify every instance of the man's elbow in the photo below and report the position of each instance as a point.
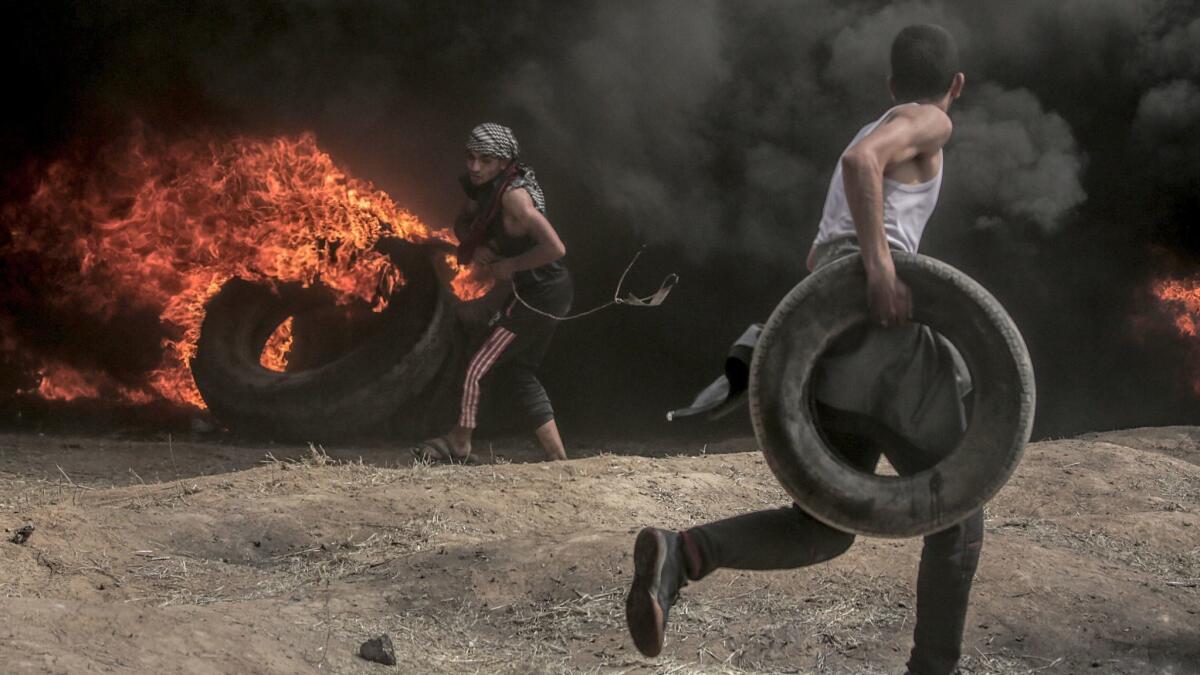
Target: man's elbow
(859, 162)
(855, 161)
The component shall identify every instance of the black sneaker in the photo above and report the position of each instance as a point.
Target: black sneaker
(658, 574)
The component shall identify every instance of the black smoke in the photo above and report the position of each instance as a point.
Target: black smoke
(709, 130)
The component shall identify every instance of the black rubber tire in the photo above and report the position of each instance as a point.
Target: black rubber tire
(823, 307)
(353, 395)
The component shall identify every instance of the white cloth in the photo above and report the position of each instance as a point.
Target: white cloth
(906, 208)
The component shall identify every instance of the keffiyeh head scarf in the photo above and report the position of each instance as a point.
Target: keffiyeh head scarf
(498, 140)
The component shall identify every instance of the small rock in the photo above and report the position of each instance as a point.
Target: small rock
(379, 650)
(22, 535)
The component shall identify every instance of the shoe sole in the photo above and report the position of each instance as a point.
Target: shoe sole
(643, 614)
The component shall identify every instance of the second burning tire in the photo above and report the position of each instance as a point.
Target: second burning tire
(352, 394)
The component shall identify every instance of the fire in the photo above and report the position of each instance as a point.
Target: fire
(469, 283)
(279, 345)
(162, 226)
(1180, 299)
(59, 382)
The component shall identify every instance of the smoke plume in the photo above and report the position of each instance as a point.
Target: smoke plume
(709, 129)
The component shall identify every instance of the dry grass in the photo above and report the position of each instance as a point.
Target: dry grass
(1096, 542)
(523, 568)
(173, 578)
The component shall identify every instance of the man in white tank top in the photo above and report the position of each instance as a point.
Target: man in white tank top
(906, 205)
(885, 188)
(882, 193)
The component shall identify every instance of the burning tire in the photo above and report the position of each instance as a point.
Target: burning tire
(809, 319)
(339, 395)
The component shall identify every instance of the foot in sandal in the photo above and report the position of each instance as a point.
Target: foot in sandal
(439, 450)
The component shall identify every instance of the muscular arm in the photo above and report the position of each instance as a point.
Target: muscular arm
(921, 131)
(521, 217)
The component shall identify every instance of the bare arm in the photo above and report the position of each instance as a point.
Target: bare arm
(521, 217)
(903, 137)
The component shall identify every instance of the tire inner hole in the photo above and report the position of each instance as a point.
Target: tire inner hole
(863, 441)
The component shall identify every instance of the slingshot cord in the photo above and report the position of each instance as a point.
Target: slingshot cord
(653, 300)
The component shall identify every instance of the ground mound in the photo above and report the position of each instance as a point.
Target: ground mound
(206, 558)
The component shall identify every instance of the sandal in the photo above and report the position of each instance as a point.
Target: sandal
(438, 451)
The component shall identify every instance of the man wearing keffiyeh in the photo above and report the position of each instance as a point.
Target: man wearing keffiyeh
(503, 228)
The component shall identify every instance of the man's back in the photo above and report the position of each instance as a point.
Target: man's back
(910, 186)
(893, 164)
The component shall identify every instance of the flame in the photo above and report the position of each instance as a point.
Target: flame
(1180, 300)
(279, 345)
(469, 283)
(59, 382)
(163, 225)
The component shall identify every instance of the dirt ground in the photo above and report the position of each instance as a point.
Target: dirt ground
(162, 556)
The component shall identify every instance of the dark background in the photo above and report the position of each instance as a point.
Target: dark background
(705, 129)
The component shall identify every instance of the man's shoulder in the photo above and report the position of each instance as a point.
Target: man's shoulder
(924, 125)
(517, 196)
(924, 114)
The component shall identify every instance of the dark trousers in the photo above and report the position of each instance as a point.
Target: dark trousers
(788, 538)
(502, 376)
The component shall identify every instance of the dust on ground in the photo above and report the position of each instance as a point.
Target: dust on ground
(200, 557)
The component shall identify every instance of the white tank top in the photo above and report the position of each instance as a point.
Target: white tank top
(906, 208)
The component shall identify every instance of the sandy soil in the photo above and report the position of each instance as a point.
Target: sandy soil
(203, 557)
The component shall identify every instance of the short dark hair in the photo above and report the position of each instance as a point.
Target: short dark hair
(924, 62)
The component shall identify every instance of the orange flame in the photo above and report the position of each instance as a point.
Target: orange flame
(279, 345)
(469, 283)
(59, 382)
(1180, 299)
(164, 225)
